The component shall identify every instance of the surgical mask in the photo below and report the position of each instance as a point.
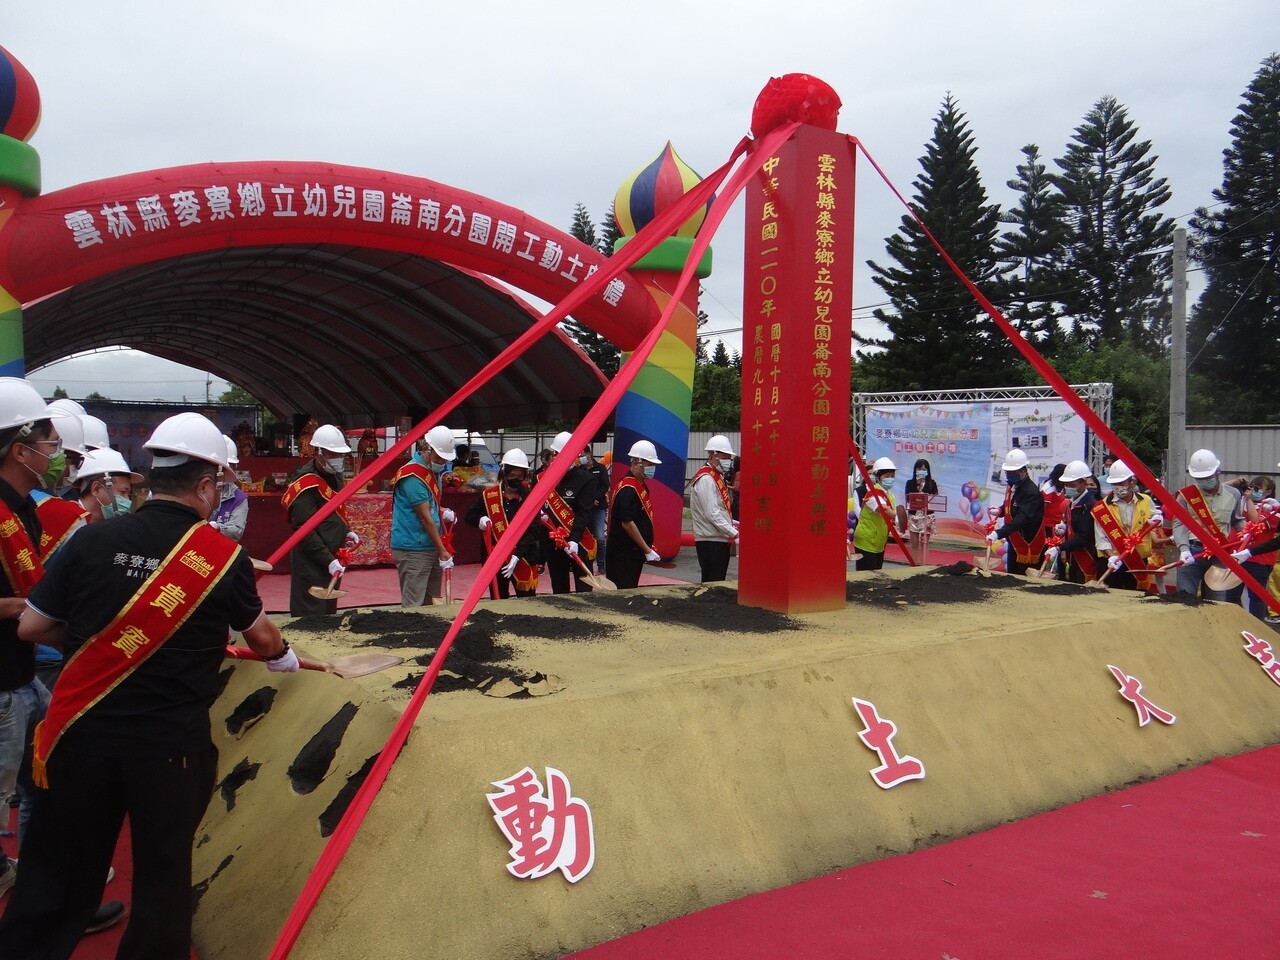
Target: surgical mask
(335, 464)
(438, 468)
(887, 482)
(1010, 477)
(514, 484)
(225, 489)
(51, 476)
(1257, 496)
(922, 474)
(650, 472)
(1125, 492)
(584, 461)
(724, 465)
(123, 504)
(1208, 483)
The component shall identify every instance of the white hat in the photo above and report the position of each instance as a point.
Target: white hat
(187, 436)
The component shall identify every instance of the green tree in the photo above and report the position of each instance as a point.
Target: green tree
(98, 396)
(938, 335)
(717, 397)
(1234, 333)
(1032, 250)
(609, 233)
(720, 355)
(235, 394)
(598, 347)
(60, 394)
(1140, 403)
(1115, 264)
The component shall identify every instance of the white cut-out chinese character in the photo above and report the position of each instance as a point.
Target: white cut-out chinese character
(154, 216)
(428, 214)
(118, 222)
(454, 219)
(344, 201)
(374, 206)
(317, 200)
(219, 200)
(252, 203)
(552, 254)
(527, 252)
(401, 209)
(574, 262)
(548, 830)
(186, 208)
(481, 224)
(283, 195)
(83, 229)
(504, 238)
(613, 292)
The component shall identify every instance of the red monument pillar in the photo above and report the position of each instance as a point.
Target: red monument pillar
(797, 341)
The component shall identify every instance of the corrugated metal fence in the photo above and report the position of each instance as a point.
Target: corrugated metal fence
(1244, 449)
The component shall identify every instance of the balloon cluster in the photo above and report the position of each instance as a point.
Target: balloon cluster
(971, 499)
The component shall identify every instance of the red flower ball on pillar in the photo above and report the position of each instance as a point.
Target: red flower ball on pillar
(794, 98)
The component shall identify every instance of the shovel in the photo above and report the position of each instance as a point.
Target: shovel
(327, 593)
(260, 565)
(595, 580)
(348, 668)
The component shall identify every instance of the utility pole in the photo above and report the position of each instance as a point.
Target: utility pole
(1176, 454)
(208, 388)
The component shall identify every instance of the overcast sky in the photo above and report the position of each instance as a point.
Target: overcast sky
(545, 105)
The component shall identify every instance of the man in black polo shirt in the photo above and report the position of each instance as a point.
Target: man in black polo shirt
(571, 504)
(127, 732)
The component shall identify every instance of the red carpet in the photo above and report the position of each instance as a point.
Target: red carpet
(1181, 867)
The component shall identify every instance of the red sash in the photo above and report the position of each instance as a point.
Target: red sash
(310, 481)
(631, 483)
(58, 520)
(1195, 501)
(18, 555)
(161, 605)
(428, 476)
(1120, 542)
(722, 488)
(494, 509)
(564, 516)
(1026, 551)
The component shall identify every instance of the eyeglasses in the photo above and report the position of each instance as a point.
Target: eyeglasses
(57, 446)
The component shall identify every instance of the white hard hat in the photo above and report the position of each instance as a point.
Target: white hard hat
(20, 404)
(70, 427)
(644, 450)
(560, 440)
(1015, 459)
(1075, 470)
(882, 464)
(1203, 464)
(66, 406)
(187, 436)
(231, 450)
(1119, 473)
(516, 458)
(103, 463)
(329, 438)
(95, 433)
(719, 444)
(440, 439)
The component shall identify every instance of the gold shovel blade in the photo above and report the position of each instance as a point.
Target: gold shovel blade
(362, 664)
(324, 593)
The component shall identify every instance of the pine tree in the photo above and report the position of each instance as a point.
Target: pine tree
(939, 336)
(720, 355)
(609, 233)
(1032, 250)
(1116, 261)
(596, 346)
(1234, 334)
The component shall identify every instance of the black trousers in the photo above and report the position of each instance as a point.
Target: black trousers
(870, 561)
(623, 564)
(70, 840)
(559, 567)
(713, 558)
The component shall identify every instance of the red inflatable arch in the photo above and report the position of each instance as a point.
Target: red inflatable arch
(339, 291)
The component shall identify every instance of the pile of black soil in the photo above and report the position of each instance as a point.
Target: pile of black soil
(711, 609)
(392, 630)
(1185, 599)
(955, 583)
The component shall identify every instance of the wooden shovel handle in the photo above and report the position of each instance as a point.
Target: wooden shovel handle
(306, 663)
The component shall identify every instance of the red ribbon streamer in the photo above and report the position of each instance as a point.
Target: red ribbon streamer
(1168, 501)
(645, 240)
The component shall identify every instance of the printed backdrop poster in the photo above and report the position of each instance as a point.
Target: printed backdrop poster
(965, 443)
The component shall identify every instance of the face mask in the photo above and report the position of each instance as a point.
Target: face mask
(335, 464)
(650, 472)
(224, 490)
(922, 474)
(438, 468)
(887, 482)
(1010, 477)
(51, 476)
(514, 484)
(584, 461)
(724, 465)
(1208, 483)
(1257, 496)
(123, 505)
(1125, 493)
